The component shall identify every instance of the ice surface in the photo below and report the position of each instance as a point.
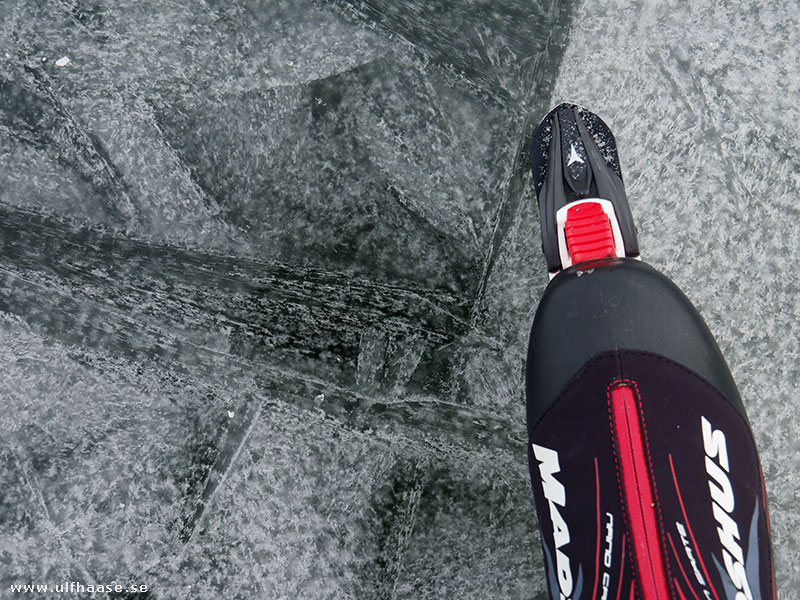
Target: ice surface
(317, 217)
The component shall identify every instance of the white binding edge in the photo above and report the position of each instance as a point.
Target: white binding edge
(561, 221)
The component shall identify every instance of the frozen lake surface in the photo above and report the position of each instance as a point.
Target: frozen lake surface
(268, 268)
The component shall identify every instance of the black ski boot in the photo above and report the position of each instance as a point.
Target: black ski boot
(644, 469)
